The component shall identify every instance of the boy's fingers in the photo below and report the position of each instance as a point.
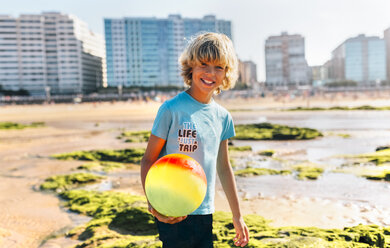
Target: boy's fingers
(177, 219)
(246, 236)
(163, 218)
(243, 238)
(237, 239)
(166, 219)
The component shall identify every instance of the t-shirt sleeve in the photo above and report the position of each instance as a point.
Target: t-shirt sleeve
(228, 131)
(162, 122)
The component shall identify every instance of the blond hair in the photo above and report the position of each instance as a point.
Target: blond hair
(213, 48)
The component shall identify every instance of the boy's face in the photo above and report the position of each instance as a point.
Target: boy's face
(207, 77)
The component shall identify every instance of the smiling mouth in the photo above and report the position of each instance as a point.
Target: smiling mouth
(207, 82)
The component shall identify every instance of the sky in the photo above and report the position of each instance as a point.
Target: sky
(325, 24)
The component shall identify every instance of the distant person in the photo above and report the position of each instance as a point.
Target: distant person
(209, 65)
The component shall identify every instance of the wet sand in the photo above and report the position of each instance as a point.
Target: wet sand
(28, 216)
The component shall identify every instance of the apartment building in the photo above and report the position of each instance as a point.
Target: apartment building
(361, 59)
(285, 60)
(143, 51)
(50, 52)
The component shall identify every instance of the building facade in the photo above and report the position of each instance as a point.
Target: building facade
(285, 61)
(247, 72)
(361, 59)
(386, 36)
(50, 52)
(145, 51)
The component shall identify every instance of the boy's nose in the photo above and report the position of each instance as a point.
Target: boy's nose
(210, 70)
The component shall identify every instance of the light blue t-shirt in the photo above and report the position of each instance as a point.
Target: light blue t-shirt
(194, 129)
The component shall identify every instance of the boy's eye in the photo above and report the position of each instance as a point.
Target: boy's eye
(220, 68)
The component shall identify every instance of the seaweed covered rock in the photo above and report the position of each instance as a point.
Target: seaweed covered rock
(240, 148)
(121, 220)
(98, 204)
(372, 235)
(379, 157)
(303, 172)
(98, 166)
(247, 172)
(135, 220)
(118, 219)
(308, 172)
(126, 155)
(64, 182)
(135, 136)
(383, 175)
(14, 125)
(268, 131)
(380, 148)
(267, 153)
(363, 107)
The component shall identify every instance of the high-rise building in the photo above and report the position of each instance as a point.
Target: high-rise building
(386, 35)
(247, 72)
(285, 60)
(144, 51)
(361, 59)
(317, 75)
(336, 66)
(50, 52)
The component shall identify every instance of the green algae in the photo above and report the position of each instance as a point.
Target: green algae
(103, 166)
(134, 215)
(369, 172)
(240, 148)
(268, 153)
(308, 172)
(249, 171)
(268, 131)
(381, 176)
(125, 156)
(304, 171)
(364, 107)
(64, 182)
(92, 166)
(121, 220)
(380, 157)
(98, 204)
(264, 235)
(344, 135)
(13, 125)
(135, 136)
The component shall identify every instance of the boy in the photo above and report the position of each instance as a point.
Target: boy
(209, 65)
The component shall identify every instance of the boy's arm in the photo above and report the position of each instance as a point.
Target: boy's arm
(153, 149)
(228, 182)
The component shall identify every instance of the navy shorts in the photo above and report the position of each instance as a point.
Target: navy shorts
(196, 231)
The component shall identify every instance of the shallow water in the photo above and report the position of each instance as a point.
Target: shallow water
(368, 130)
(328, 147)
(331, 186)
(323, 120)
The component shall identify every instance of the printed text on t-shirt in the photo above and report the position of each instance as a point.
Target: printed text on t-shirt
(187, 137)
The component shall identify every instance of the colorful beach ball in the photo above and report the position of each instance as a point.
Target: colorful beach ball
(176, 185)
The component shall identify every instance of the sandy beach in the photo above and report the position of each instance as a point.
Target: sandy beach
(28, 216)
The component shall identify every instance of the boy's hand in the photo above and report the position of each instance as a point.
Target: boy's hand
(242, 232)
(163, 218)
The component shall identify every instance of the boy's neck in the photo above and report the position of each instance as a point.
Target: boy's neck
(202, 98)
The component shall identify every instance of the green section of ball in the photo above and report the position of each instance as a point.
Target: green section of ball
(170, 203)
